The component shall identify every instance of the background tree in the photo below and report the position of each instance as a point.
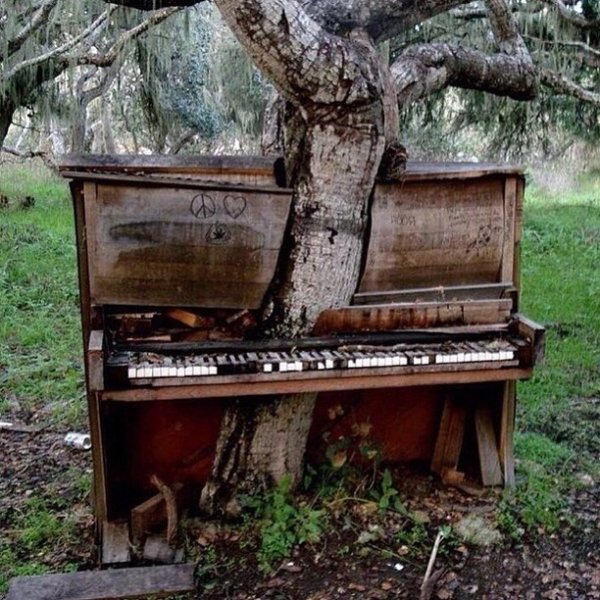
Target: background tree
(340, 123)
(40, 41)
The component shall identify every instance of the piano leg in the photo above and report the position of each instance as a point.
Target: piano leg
(507, 429)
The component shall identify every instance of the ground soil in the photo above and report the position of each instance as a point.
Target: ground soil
(561, 566)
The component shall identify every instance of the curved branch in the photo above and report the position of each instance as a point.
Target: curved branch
(563, 85)
(59, 50)
(428, 68)
(36, 21)
(108, 58)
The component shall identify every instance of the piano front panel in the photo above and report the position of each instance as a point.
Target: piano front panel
(170, 246)
(452, 232)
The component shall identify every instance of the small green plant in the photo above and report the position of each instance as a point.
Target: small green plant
(386, 495)
(283, 524)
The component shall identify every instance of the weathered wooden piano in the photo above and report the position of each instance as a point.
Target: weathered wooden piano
(175, 257)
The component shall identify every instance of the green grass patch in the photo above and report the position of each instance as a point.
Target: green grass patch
(40, 341)
(558, 408)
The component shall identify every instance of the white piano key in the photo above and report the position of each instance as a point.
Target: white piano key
(321, 366)
(164, 372)
(180, 371)
(403, 361)
(147, 372)
(460, 357)
(212, 370)
(196, 371)
(268, 368)
(396, 361)
(132, 373)
(425, 360)
(189, 371)
(283, 367)
(389, 361)
(155, 371)
(299, 366)
(203, 370)
(329, 364)
(453, 358)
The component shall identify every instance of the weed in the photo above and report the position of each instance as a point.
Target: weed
(39, 525)
(283, 524)
(386, 495)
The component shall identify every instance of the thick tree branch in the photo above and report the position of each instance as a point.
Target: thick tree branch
(563, 85)
(306, 63)
(428, 68)
(382, 19)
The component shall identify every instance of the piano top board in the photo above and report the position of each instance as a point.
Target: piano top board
(207, 231)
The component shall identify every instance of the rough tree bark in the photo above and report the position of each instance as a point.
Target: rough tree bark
(341, 112)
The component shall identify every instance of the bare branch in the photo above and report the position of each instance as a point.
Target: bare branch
(571, 16)
(60, 50)
(585, 53)
(106, 59)
(155, 4)
(36, 21)
(563, 85)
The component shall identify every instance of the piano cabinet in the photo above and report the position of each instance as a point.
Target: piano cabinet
(426, 356)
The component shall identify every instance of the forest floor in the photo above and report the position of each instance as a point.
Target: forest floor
(347, 534)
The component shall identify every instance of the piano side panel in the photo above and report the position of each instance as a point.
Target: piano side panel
(426, 233)
(183, 247)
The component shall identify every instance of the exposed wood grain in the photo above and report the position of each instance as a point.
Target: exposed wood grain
(250, 385)
(535, 333)
(412, 315)
(508, 245)
(116, 548)
(450, 437)
(95, 360)
(180, 247)
(491, 473)
(158, 582)
(447, 232)
(484, 291)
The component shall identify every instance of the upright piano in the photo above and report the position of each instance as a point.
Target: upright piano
(175, 258)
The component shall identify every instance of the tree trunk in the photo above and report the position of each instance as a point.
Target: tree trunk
(333, 165)
(7, 110)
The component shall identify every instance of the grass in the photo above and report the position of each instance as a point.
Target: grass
(41, 374)
(40, 341)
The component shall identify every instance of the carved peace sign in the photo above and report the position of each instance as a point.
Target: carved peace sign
(203, 206)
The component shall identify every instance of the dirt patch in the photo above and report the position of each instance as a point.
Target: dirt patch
(365, 553)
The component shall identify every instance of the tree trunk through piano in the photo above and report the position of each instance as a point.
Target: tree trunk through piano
(342, 104)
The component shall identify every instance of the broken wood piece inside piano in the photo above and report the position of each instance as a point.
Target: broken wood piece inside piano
(175, 259)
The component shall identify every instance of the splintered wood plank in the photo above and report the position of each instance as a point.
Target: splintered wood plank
(95, 359)
(450, 437)
(412, 315)
(147, 515)
(491, 473)
(183, 247)
(447, 232)
(116, 548)
(188, 318)
(507, 429)
(142, 582)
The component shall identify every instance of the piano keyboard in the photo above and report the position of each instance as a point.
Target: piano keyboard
(148, 365)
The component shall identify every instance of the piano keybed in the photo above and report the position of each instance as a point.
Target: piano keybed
(144, 366)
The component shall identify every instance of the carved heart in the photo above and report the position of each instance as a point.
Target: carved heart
(235, 206)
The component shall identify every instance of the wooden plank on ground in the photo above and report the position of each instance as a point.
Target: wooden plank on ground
(450, 437)
(142, 582)
(491, 473)
(116, 548)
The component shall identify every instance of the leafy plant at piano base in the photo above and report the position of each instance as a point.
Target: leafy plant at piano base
(281, 523)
